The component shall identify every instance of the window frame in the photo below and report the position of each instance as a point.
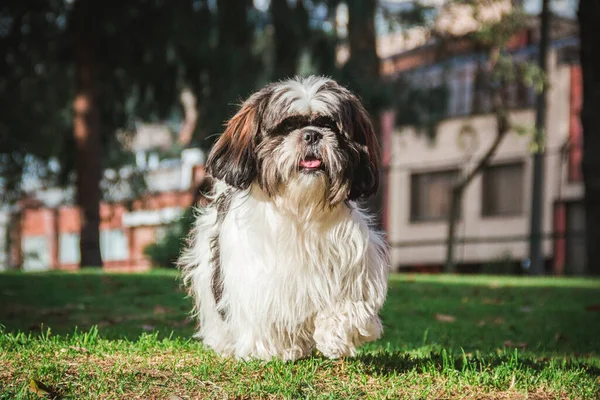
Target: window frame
(64, 239)
(484, 211)
(413, 218)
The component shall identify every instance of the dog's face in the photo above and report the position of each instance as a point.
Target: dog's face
(306, 133)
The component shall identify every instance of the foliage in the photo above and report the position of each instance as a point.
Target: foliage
(408, 14)
(445, 337)
(165, 251)
(422, 108)
(34, 121)
(145, 53)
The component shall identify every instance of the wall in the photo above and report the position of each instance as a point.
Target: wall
(42, 229)
(412, 152)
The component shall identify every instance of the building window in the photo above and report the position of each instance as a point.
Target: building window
(68, 252)
(502, 190)
(575, 239)
(520, 95)
(431, 194)
(36, 253)
(114, 245)
(461, 85)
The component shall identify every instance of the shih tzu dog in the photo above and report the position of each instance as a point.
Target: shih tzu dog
(283, 260)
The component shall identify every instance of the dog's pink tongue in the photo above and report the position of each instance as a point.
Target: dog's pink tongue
(310, 163)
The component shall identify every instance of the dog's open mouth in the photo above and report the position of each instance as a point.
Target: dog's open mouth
(311, 163)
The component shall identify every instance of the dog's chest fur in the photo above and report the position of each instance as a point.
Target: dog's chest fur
(283, 269)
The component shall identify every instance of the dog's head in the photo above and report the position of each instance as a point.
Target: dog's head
(300, 135)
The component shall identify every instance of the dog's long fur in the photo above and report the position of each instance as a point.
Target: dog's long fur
(283, 259)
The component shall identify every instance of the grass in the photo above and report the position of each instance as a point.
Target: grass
(94, 335)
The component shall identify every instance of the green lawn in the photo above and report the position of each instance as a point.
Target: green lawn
(93, 335)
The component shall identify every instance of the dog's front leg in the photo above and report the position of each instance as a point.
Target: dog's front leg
(340, 330)
(348, 323)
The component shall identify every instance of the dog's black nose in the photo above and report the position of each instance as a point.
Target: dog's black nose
(310, 136)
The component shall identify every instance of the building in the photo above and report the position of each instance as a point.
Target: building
(45, 231)
(4, 243)
(493, 228)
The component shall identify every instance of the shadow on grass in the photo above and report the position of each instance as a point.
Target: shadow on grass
(123, 306)
(476, 313)
(442, 362)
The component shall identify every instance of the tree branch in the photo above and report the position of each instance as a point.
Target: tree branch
(499, 96)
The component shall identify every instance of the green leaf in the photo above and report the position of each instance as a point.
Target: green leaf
(522, 130)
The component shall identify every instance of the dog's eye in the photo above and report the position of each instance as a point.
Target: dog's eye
(325, 122)
(290, 124)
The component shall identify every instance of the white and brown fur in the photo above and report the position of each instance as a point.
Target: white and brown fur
(283, 259)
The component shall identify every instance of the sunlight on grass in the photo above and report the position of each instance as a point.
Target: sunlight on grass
(445, 336)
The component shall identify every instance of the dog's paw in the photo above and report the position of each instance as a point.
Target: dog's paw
(371, 331)
(293, 353)
(333, 341)
(336, 350)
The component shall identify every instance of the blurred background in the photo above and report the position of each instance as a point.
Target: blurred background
(109, 108)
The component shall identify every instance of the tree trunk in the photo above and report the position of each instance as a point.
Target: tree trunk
(363, 72)
(536, 254)
(503, 126)
(363, 61)
(190, 120)
(290, 32)
(86, 124)
(234, 67)
(589, 17)
(455, 203)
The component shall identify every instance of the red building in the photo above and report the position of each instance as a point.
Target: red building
(46, 237)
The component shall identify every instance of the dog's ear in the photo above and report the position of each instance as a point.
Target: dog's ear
(232, 158)
(366, 176)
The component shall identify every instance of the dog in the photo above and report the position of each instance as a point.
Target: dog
(283, 259)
